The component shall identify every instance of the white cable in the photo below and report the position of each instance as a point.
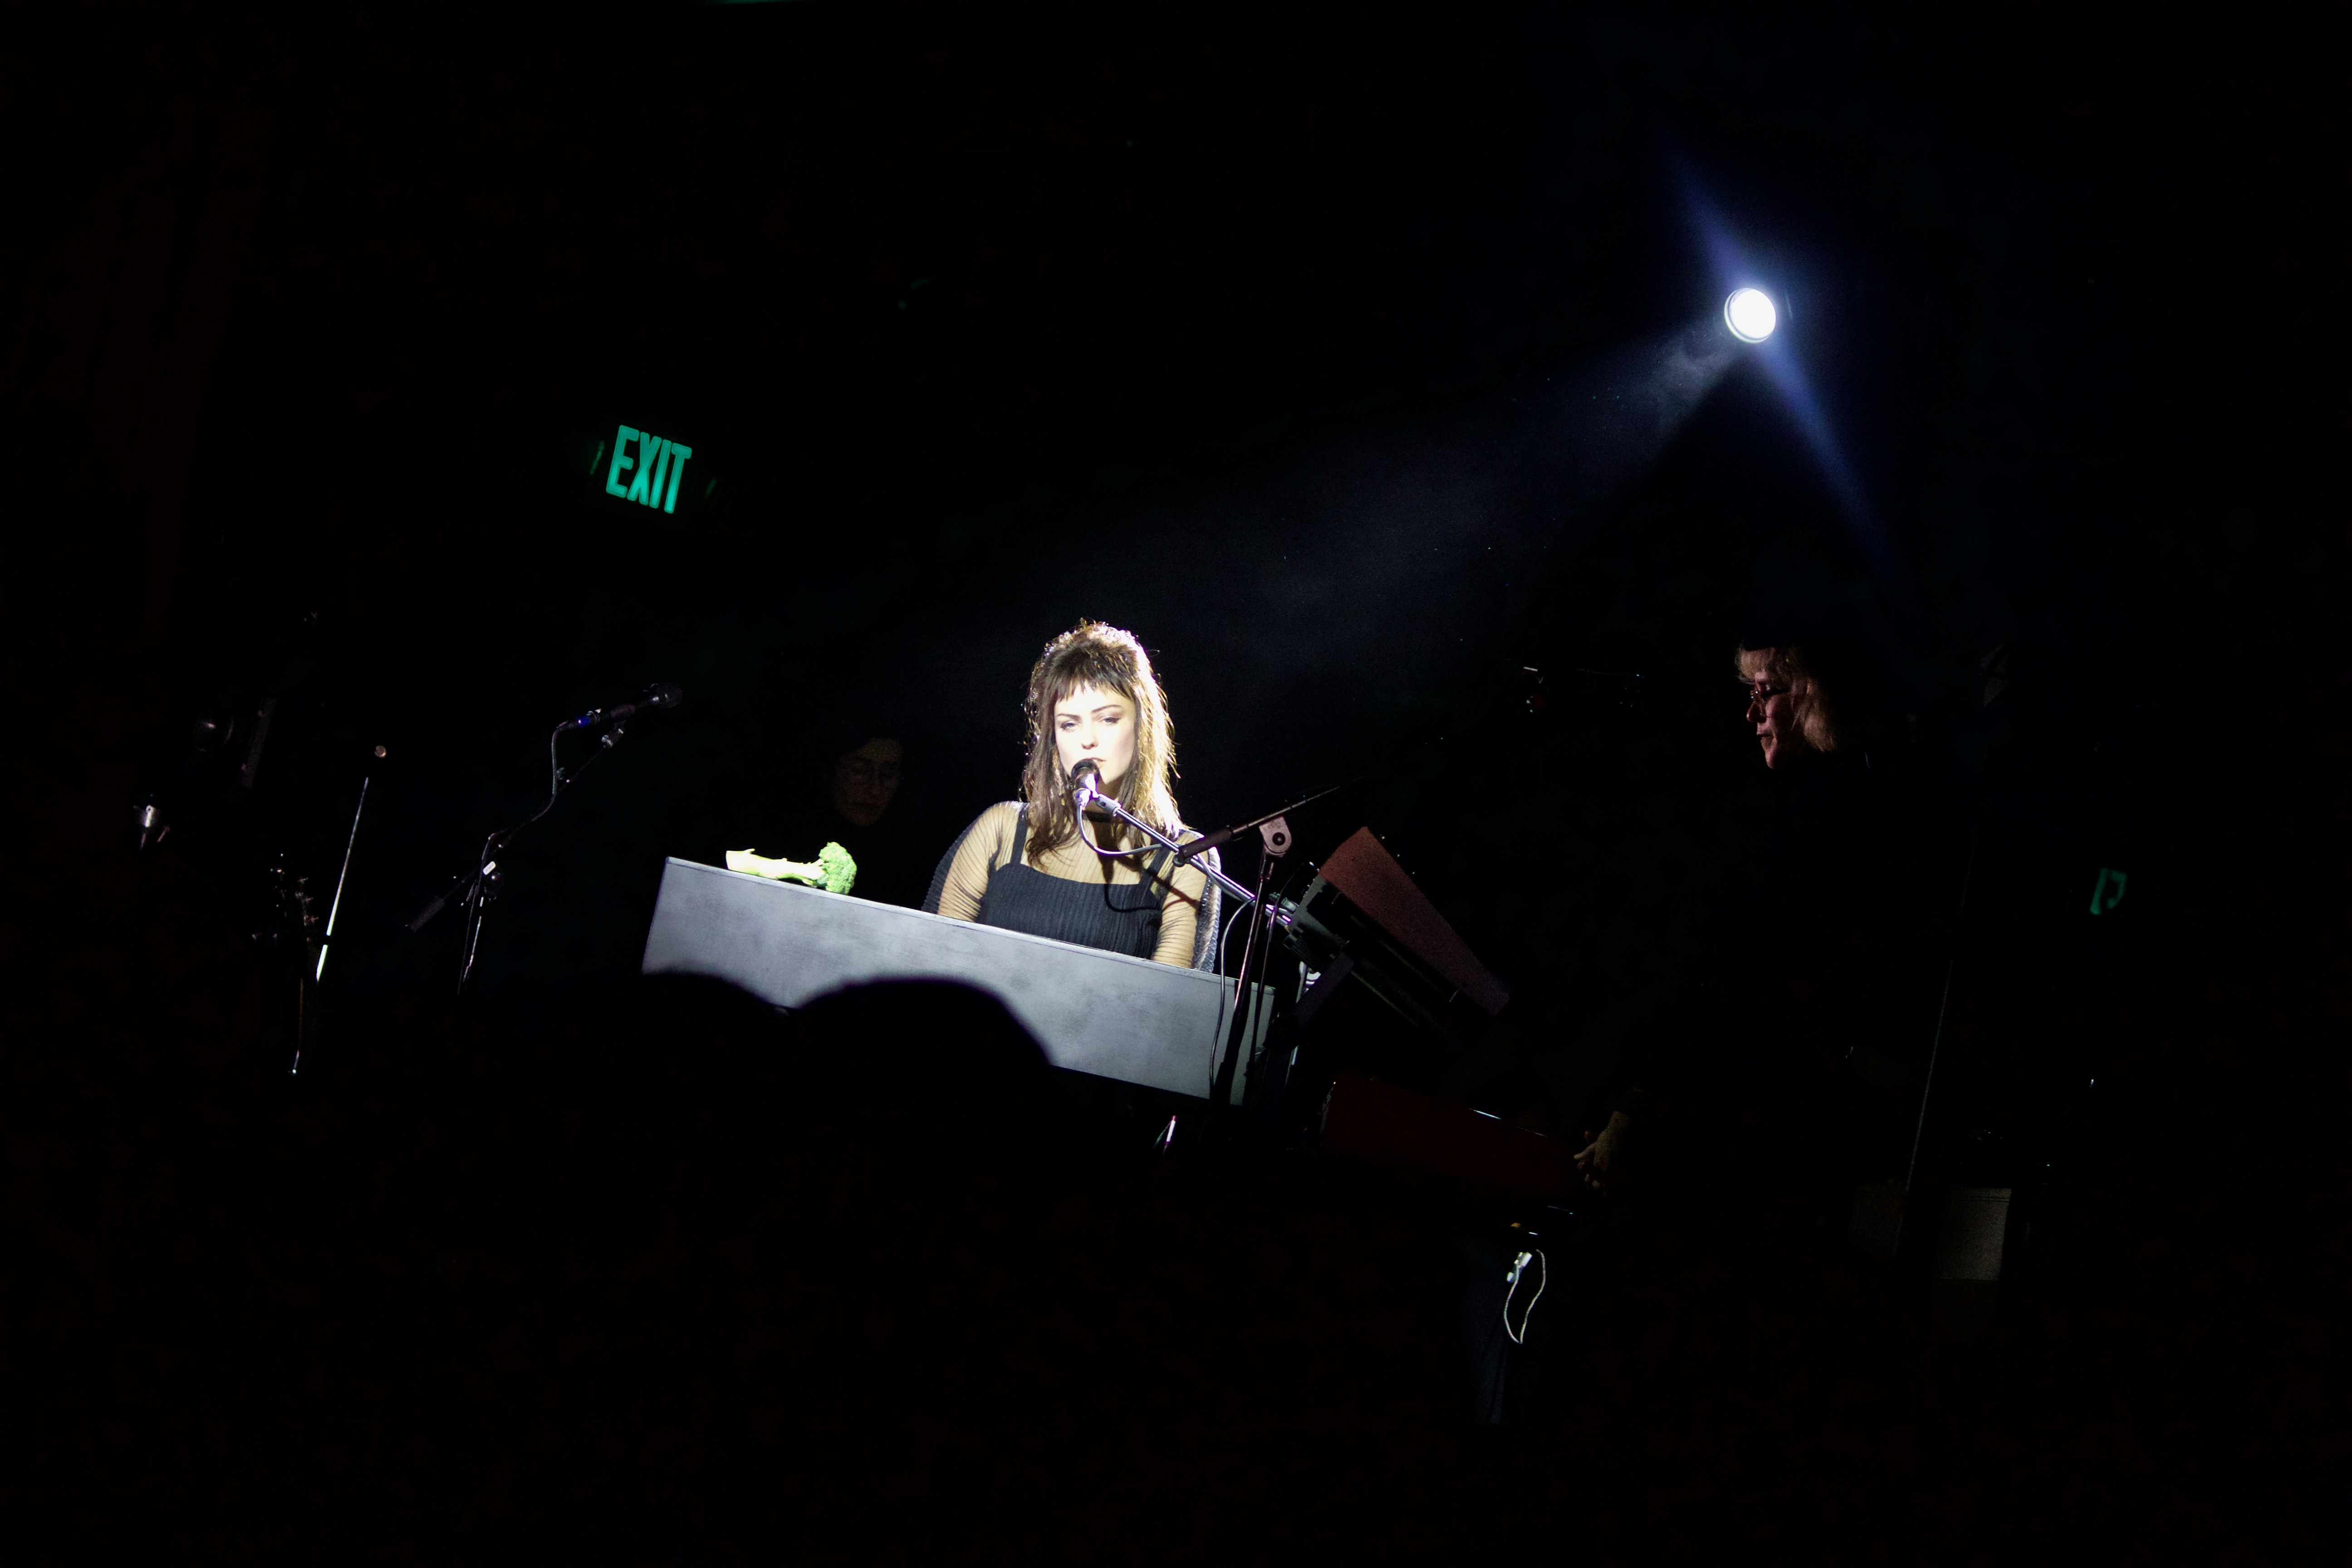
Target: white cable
(1543, 1278)
(1225, 942)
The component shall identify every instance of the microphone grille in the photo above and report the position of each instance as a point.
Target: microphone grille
(663, 694)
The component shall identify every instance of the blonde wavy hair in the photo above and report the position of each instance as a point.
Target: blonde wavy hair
(1788, 666)
(1092, 654)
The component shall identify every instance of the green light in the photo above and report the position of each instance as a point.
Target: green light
(659, 465)
(2108, 891)
(649, 453)
(621, 461)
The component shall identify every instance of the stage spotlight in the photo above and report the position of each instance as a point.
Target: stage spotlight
(1749, 315)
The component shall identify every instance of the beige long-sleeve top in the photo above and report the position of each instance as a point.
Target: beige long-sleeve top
(988, 844)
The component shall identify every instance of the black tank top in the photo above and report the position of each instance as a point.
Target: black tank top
(1116, 917)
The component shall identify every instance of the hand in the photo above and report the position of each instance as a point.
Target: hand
(1599, 1158)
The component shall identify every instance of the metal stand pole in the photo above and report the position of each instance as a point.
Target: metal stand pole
(484, 887)
(1241, 1032)
(480, 885)
(1086, 797)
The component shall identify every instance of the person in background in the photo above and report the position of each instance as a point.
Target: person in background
(844, 789)
(865, 779)
(1791, 709)
(1786, 704)
(1799, 1072)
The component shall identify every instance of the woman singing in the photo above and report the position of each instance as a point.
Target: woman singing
(1027, 866)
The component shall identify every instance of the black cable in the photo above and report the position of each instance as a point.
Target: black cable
(478, 892)
(1278, 895)
(1110, 854)
(558, 781)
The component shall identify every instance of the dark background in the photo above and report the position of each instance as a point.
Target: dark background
(1278, 335)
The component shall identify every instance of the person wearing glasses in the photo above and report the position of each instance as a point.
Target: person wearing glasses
(1786, 704)
(864, 779)
(843, 786)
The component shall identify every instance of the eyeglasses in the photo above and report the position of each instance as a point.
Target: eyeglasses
(1760, 693)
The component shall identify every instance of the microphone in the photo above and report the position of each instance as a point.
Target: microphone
(661, 694)
(1085, 780)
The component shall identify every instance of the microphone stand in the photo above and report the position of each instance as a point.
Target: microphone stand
(1208, 841)
(1245, 1002)
(1319, 947)
(1298, 929)
(479, 885)
(1082, 794)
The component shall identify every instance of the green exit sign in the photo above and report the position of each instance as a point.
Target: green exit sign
(651, 471)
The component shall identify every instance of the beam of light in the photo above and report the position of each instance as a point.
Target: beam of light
(1788, 377)
(1616, 415)
(1375, 568)
(1778, 358)
(1797, 392)
(1750, 315)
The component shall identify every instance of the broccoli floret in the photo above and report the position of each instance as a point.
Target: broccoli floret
(840, 870)
(832, 869)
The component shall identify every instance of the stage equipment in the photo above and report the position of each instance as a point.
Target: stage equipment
(1506, 1190)
(1365, 1119)
(479, 886)
(1974, 1234)
(1750, 315)
(1094, 1012)
(1085, 776)
(661, 694)
(1224, 835)
(1107, 1014)
(260, 737)
(1249, 1017)
(1368, 878)
(327, 937)
(1373, 924)
(1274, 841)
